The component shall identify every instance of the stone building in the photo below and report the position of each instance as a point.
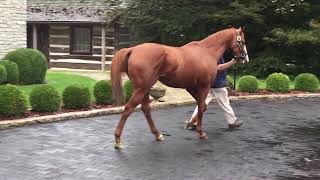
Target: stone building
(13, 25)
(71, 33)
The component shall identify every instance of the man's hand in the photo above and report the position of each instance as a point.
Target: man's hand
(222, 67)
(233, 61)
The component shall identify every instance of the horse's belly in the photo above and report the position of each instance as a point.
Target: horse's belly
(176, 82)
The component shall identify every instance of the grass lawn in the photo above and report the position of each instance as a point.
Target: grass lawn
(60, 81)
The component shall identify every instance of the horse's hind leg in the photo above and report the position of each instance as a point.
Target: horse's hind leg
(202, 94)
(147, 113)
(135, 100)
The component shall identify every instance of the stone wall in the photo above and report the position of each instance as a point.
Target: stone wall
(13, 25)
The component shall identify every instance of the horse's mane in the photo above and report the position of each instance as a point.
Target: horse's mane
(216, 36)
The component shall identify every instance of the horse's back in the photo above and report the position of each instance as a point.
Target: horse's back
(152, 56)
(174, 66)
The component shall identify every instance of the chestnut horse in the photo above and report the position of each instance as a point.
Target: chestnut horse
(192, 67)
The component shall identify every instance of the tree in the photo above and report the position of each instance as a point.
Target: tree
(283, 30)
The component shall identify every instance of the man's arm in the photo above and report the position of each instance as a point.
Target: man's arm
(222, 67)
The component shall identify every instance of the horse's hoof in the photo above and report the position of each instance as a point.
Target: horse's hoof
(203, 136)
(118, 146)
(160, 137)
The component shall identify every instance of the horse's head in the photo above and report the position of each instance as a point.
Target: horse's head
(238, 46)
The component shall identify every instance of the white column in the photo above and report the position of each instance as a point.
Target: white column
(103, 47)
(34, 37)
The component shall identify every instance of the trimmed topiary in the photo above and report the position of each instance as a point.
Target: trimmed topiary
(32, 65)
(278, 82)
(3, 75)
(12, 71)
(12, 101)
(103, 92)
(76, 96)
(306, 82)
(248, 84)
(128, 89)
(45, 98)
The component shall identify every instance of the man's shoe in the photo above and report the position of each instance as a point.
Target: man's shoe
(236, 124)
(190, 126)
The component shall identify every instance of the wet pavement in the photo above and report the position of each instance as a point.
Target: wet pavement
(279, 140)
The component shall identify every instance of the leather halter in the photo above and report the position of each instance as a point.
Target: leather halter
(240, 44)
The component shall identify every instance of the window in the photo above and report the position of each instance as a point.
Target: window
(81, 40)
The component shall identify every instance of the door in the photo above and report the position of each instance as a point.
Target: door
(43, 39)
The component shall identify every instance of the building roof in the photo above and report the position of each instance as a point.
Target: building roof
(69, 11)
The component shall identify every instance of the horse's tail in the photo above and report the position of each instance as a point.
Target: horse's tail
(119, 65)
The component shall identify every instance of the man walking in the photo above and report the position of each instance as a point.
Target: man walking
(220, 92)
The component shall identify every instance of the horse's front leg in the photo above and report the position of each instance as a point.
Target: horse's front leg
(203, 92)
(147, 113)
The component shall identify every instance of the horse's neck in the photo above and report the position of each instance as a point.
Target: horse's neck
(217, 43)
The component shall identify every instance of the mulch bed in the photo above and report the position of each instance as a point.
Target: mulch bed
(266, 92)
(30, 114)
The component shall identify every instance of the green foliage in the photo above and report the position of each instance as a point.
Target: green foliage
(278, 82)
(32, 65)
(306, 82)
(12, 101)
(230, 81)
(12, 71)
(45, 98)
(261, 67)
(297, 47)
(128, 89)
(284, 30)
(3, 74)
(76, 96)
(103, 92)
(248, 83)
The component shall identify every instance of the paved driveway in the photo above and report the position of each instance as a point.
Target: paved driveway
(279, 140)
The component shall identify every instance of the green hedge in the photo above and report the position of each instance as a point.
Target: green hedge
(12, 101)
(12, 71)
(32, 65)
(278, 82)
(306, 82)
(76, 96)
(128, 89)
(103, 92)
(3, 75)
(45, 98)
(248, 83)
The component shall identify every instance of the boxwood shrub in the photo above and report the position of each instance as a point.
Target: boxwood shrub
(128, 89)
(12, 101)
(12, 71)
(278, 82)
(103, 92)
(306, 82)
(45, 98)
(76, 97)
(248, 83)
(32, 65)
(3, 75)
